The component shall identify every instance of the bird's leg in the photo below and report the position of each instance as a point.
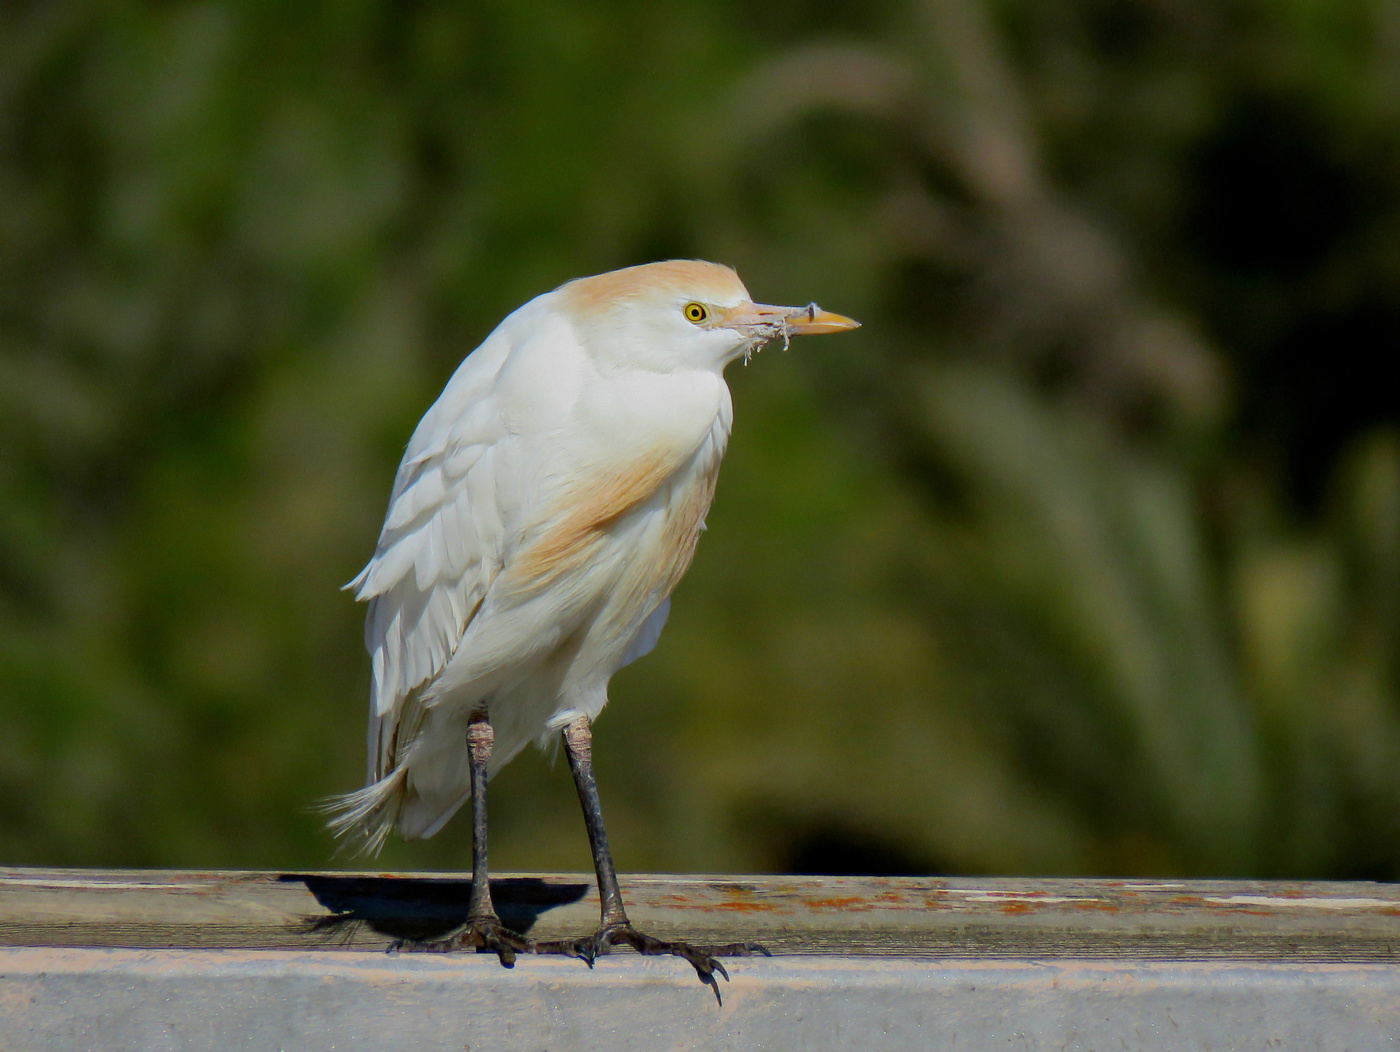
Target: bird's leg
(484, 930)
(614, 926)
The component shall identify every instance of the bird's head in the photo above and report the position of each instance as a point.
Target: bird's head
(681, 314)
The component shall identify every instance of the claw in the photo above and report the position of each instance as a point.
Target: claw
(709, 980)
(701, 958)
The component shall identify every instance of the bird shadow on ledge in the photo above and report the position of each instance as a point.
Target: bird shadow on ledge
(423, 909)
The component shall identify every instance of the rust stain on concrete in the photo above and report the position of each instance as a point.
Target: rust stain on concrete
(844, 902)
(740, 907)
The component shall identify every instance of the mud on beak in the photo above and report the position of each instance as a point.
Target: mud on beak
(762, 321)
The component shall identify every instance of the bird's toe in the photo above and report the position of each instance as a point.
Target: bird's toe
(484, 934)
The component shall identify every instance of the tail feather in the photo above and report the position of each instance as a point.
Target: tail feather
(366, 817)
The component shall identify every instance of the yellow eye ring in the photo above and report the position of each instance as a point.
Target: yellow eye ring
(696, 313)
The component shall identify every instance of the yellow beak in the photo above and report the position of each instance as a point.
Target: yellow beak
(761, 319)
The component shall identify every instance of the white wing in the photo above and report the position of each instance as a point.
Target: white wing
(644, 642)
(442, 543)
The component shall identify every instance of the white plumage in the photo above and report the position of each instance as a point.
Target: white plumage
(546, 506)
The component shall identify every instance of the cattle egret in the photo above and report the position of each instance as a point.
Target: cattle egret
(545, 508)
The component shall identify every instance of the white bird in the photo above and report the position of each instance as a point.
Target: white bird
(547, 504)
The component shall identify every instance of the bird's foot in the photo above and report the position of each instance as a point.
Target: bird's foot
(485, 934)
(702, 958)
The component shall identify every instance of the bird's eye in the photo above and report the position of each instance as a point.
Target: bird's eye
(695, 312)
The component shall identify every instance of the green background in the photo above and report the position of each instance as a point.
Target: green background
(1081, 556)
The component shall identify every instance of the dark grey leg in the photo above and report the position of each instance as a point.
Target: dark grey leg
(614, 926)
(578, 743)
(484, 930)
(480, 739)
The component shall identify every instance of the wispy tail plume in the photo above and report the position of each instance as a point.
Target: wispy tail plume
(366, 817)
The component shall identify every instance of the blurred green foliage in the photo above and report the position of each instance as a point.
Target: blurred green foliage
(1083, 556)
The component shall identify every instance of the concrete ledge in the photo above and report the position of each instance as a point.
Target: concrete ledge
(260, 999)
(181, 960)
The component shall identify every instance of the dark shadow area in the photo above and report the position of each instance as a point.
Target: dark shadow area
(1281, 224)
(836, 849)
(422, 909)
(838, 852)
(830, 846)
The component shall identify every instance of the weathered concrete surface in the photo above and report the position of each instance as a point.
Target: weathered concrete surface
(925, 917)
(151, 960)
(100, 999)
